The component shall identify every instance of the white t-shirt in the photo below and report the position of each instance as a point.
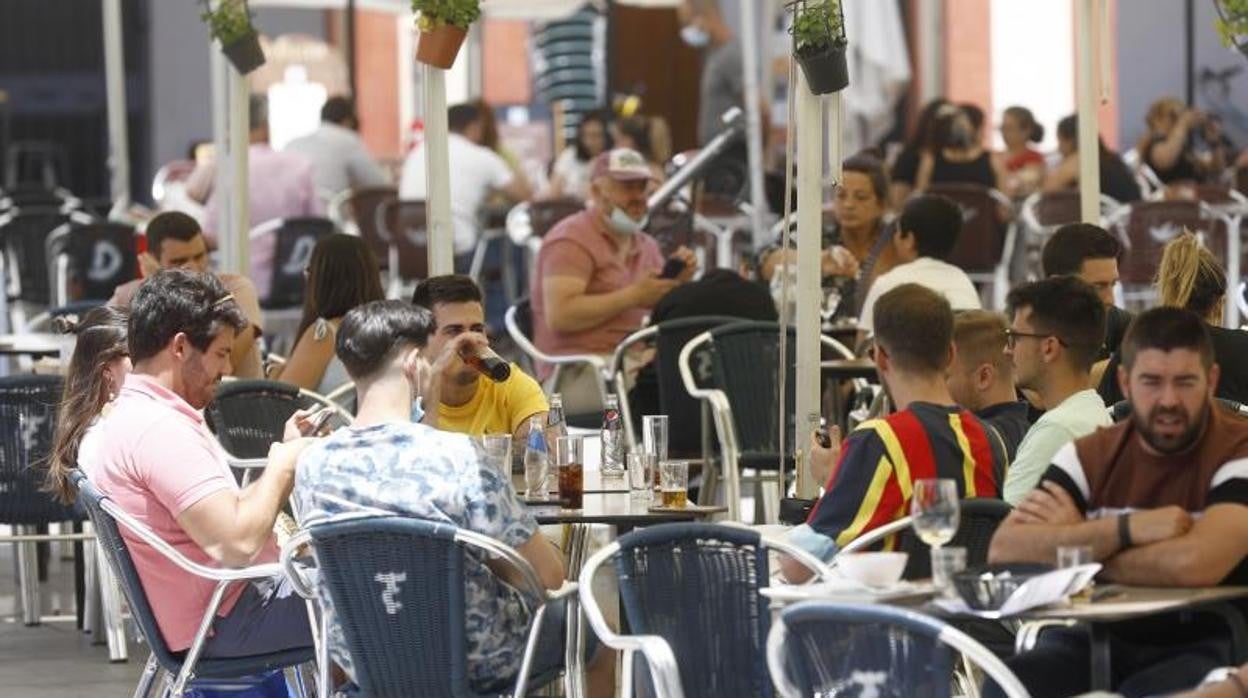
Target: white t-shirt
(475, 172)
(1076, 417)
(942, 277)
(575, 174)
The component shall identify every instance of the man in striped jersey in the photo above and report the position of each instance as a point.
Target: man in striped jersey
(1160, 498)
(929, 436)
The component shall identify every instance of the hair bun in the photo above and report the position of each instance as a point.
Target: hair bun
(65, 324)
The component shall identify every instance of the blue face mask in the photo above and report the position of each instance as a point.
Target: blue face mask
(418, 410)
(694, 36)
(623, 224)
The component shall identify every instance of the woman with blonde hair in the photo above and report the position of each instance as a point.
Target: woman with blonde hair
(1167, 147)
(1190, 277)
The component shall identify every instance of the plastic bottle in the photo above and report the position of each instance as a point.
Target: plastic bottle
(612, 438)
(556, 421)
(536, 461)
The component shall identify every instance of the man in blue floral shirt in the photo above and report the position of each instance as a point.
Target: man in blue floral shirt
(386, 464)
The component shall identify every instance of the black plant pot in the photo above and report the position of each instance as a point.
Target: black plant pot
(245, 53)
(826, 70)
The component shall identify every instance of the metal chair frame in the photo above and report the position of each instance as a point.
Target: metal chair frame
(557, 360)
(530, 585)
(1119, 222)
(663, 663)
(777, 641)
(999, 277)
(725, 427)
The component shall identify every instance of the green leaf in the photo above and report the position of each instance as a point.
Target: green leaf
(229, 22)
(458, 13)
(817, 24)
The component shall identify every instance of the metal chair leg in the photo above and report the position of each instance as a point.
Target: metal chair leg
(148, 678)
(28, 577)
(114, 625)
(92, 616)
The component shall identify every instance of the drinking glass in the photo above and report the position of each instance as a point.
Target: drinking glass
(674, 484)
(640, 467)
(498, 452)
(934, 510)
(947, 562)
(570, 464)
(654, 439)
(1073, 555)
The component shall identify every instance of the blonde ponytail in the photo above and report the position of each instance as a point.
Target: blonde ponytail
(1189, 276)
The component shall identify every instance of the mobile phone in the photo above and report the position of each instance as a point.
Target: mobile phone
(821, 435)
(673, 268)
(319, 419)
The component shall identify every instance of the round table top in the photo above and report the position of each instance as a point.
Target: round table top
(34, 344)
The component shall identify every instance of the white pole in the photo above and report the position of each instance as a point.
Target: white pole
(222, 186)
(809, 136)
(931, 21)
(753, 121)
(441, 230)
(240, 140)
(1089, 150)
(115, 82)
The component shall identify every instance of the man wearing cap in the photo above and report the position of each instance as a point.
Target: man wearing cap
(598, 273)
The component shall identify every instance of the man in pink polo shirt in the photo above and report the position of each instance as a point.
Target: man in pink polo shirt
(158, 462)
(598, 273)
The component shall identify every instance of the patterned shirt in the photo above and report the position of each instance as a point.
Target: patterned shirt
(416, 471)
(872, 483)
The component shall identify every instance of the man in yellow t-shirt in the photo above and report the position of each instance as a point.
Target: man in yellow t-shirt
(466, 401)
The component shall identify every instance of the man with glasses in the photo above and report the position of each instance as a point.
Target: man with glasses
(1056, 329)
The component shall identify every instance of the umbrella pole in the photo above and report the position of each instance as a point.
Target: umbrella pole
(115, 88)
(441, 232)
(1089, 148)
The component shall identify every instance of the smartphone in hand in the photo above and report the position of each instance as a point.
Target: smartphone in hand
(821, 435)
(673, 268)
(319, 420)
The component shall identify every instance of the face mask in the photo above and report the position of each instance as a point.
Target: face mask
(624, 224)
(960, 135)
(694, 36)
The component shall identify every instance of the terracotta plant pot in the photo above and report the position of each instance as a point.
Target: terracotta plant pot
(245, 53)
(826, 71)
(439, 46)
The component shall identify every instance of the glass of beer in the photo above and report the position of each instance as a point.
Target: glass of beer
(570, 464)
(654, 439)
(674, 484)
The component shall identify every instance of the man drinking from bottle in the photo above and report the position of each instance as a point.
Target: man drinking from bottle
(477, 393)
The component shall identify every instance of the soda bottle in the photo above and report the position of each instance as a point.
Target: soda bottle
(536, 461)
(612, 438)
(556, 421)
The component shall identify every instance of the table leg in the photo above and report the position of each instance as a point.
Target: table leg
(1102, 671)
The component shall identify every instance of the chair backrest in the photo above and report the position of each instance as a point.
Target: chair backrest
(683, 411)
(397, 587)
(696, 586)
(745, 357)
(117, 554)
(829, 648)
(1057, 208)
(672, 228)
(524, 317)
(982, 239)
(24, 234)
(544, 215)
(978, 520)
(363, 205)
(1146, 226)
(249, 415)
(296, 238)
(405, 225)
(101, 256)
(28, 406)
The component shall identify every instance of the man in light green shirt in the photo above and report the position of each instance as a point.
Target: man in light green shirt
(1056, 329)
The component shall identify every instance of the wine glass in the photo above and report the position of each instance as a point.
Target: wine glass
(934, 515)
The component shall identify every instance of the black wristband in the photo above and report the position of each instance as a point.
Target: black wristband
(1124, 532)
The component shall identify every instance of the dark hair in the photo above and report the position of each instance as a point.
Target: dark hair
(258, 111)
(1035, 131)
(1111, 162)
(1072, 244)
(170, 225)
(873, 169)
(101, 340)
(1189, 276)
(342, 273)
(460, 116)
(975, 115)
(1067, 308)
(603, 117)
(935, 221)
(489, 125)
(636, 127)
(1167, 329)
(177, 300)
(448, 288)
(338, 109)
(914, 324)
(370, 333)
(925, 126)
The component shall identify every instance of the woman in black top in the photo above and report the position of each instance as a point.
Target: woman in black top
(957, 156)
(1167, 145)
(906, 167)
(1190, 277)
(1117, 182)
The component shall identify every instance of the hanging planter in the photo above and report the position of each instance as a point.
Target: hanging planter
(819, 44)
(1232, 23)
(230, 24)
(443, 25)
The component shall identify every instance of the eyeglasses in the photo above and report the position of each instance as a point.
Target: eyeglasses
(1012, 337)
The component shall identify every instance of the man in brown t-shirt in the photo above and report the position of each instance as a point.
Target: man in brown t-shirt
(1161, 499)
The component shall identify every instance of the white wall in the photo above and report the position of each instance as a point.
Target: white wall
(1032, 63)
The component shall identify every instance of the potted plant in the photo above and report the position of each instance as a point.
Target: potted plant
(230, 24)
(443, 24)
(1232, 23)
(819, 44)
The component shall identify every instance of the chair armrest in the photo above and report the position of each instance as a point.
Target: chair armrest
(248, 463)
(874, 536)
(569, 588)
(292, 569)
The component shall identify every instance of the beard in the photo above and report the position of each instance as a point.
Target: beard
(199, 384)
(1170, 443)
